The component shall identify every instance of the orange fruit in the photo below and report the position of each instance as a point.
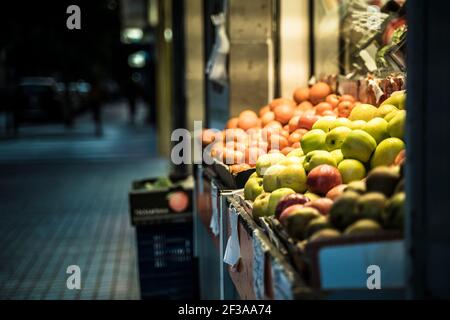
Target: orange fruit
(319, 92)
(284, 113)
(345, 108)
(301, 94)
(333, 100)
(280, 101)
(322, 107)
(232, 123)
(267, 117)
(264, 110)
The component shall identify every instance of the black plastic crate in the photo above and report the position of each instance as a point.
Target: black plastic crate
(167, 269)
(154, 206)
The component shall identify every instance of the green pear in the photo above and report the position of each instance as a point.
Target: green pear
(344, 210)
(317, 158)
(298, 221)
(396, 126)
(298, 152)
(357, 124)
(385, 109)
(317, 224)
(394, 215)
(377, 128)
(337, 155)
(371, 206)
(351, 170)
(253, 188)
(363, 226)
(276, 197)
(364, 112)
(267, 160)
(326, 124)
(261, 205)
(358, 145)
(313, 140)
(336, 137)
(386, 152)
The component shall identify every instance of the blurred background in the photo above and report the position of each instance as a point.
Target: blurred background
(77, 125)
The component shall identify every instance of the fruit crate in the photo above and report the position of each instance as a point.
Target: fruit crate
(231, 181)
(333, 266)
(167, 269)
(162, 205)
(337, 268)
(262, 271)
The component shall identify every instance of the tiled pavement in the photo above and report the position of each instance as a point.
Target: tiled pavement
(63, 201)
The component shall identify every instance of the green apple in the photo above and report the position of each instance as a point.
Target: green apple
(364, 112)
(385, 109)
(291, 176)
(296, 153)
(391, 115)
(261, 205)
(270, 179)
(325, 124)
(377, 128)
(386, 152)
(396, 126)
(357, 124)
(317, 158)
(337, 155)
(276, 197)
(336, 137)
(291, 161)
(254, 175)
(397, 99)
(267, 160)
(358, 145)
(253, 188)
(313, 140)
(343, 122)
(351, 170)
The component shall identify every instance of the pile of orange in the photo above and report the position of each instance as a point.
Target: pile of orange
(278, 127)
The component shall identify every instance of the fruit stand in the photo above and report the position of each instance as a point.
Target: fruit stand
(305, 194)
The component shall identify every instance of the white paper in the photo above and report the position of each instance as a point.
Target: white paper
(214, 223)
(233, 250)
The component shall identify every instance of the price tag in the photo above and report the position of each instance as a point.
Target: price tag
(259, 255)
(233, 249)
(214, 223)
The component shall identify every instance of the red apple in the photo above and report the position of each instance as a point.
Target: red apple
(323, 205)
(400, 157)
(289, 211)
(306, 121)
(290, 200)
(323, 178)
(336, 192)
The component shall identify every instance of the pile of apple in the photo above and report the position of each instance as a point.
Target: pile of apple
(277, 128)
(308, 182)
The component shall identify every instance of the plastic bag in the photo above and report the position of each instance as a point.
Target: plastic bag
(216, 68)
